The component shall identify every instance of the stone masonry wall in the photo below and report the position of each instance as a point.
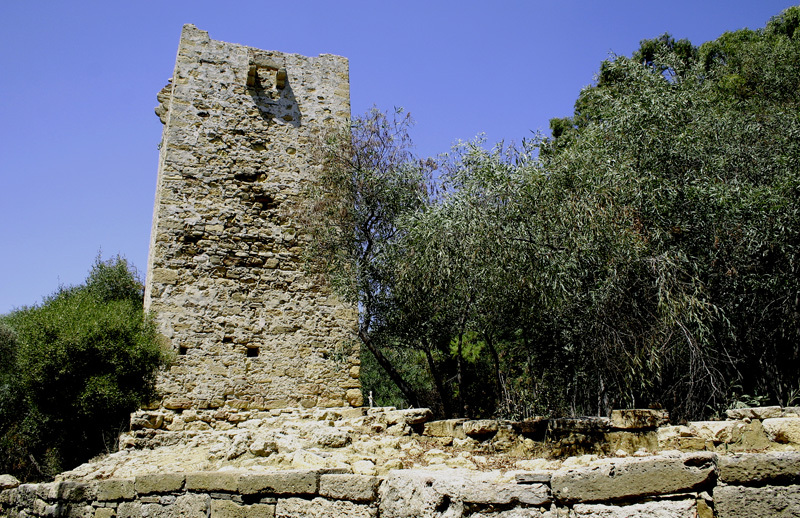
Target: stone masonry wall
(225, 277)
(692, 485)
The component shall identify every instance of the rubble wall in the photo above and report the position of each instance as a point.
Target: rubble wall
(225, 277)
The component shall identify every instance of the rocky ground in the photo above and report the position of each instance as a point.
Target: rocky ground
(375, 441)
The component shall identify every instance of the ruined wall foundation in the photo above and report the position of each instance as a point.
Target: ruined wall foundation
(225, 276)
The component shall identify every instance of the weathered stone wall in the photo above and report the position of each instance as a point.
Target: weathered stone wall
(359, 462)
(690, 485)
(250, 329)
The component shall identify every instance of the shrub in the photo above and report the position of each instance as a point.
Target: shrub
(78, 364)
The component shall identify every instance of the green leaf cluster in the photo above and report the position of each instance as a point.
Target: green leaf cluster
(646, 253)
(73, 368)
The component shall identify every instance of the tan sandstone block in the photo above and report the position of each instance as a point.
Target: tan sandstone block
(757, 502)
(294, 482)
(115, 489)
(164, 276)
(784, 430)
(445, 428)
(212, 481)
(658, 509)
(633, 478)
(358, 488)
(104, 512)
(637, 418)
(230, 509)
(760, 468)
(322, 508)
(159, 483)
(354, 397)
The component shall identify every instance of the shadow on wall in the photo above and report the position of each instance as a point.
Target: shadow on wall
(268, 85)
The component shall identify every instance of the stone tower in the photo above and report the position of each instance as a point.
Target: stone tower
(225, 275)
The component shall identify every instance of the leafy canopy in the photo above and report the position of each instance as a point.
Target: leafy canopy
(77, 365)
(645, 253)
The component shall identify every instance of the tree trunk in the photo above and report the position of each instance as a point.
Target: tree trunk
(408, 392)
(437, 381)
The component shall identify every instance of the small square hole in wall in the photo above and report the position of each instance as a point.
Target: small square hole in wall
(182, 350)
(252, 352)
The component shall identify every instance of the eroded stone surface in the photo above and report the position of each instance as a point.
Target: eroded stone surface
(292, 482)
(757, 502)
(358, 488)
(629, 478)
(785, 430)
(421, 493)
(685, 508)
(322, 508)
(8, 482)
(760, 468)
(230, 509)
(637, 418)
(764, 412)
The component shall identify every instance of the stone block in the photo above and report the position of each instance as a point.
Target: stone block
(630, 441)
(760, 468)
(351, 413)
(421, 493)
(150, 420)
(229, 509)
(757, 502)
(727, 432)
(206, 481)
(177, 403)
(322, 508)
(293, 482)
(656, 509)
(164, 276)
(329, 437)
(451, 428)
(115, 489)
(159, 483)
(492, 493)
(358, 488)
(104, 512)
(764, 412)
(354, 397)
(8, 482)
(638, 418)
(784, 430)
(791, 411)
(409, 416)
(73, 491)
(480, 427)
(633, 478)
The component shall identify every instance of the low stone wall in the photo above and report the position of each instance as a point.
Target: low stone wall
(701, 484)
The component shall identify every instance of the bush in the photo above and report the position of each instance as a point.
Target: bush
(73, 370)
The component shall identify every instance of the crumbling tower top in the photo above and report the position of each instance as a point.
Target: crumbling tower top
(250, 329)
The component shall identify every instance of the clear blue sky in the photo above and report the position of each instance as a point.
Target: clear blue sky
(78, 82)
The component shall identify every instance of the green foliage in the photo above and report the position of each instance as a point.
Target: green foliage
(80, 363)
(369, 182)
(646, 253)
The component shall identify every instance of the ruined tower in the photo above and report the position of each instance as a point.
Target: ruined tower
(225, 275)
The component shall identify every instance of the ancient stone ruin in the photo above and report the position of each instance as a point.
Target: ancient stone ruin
(262, 415)
(225, 274)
